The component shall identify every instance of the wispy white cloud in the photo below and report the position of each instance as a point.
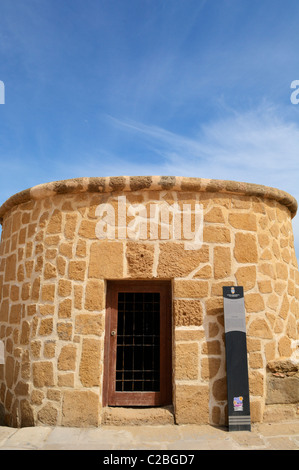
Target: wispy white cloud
(257, 146)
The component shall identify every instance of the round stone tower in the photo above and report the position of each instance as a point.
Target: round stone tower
(80, 257)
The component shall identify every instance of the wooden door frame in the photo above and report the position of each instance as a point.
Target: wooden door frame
(164, 397)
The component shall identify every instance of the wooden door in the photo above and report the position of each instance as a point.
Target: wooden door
(138, 344)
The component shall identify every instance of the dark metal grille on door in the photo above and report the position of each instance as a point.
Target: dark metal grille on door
(138, 342)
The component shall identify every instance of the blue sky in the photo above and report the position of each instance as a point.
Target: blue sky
(137, 87)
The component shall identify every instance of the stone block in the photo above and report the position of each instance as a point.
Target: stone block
(80, 408)
(187, 312)
(209, 367)
(219, 389)
(37, 397)
(256, 383)
(46, 309)
(259, 328)
(106, 260)
(35, 289)
(246, 277)
(189, 334)
(4, 310)
(89, 324)
(66, 249)
(50, 271)
(222, 262)
(282, 390)
(46, 326)
(43, 374)
(14, 293)
(284, 309)
(48, 415)
(65, 308)
(285, 347)
(140, 259)
(61, 264)
(25, 366)
(70, 225)
(16, 221)
(15, 314)
(282, 271)
(67, 358)
(49, 349)
(10, 268)
(243, 221)
(35, 349)
(256, 361)
(214, 306)
(90, 363)
(81, 248)
(64, 331)
(117, 183)
(186, 361)
(64, 287)
(94, 295)
(204, 273)
(211, 348)
(48, 292)
(153, 416)
(265, 287)
(273, 301)
(78, 296)
(267, 269)
(9, 371)
(25, 294)
(26, 411)
(66, 380)
(192, 404)
(279, 414)
(254, 303)
(20, 273)
(256, 411)
(215, 215)
(77, 270)
(54, 224)
(245, 248)
(87, 229)
(140, 182)
(175, 261)
(190, 288)
(213, 329)
(216, 234)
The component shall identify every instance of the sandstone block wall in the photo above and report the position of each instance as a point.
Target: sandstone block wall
(53, 273)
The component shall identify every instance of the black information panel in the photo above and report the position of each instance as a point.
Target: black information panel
(236, 359)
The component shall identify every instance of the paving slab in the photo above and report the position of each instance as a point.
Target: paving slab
(248, 439)
(62, 438)
(30, 438)
(277, 429)
(277, 436)
(6, 433)
(281, 443)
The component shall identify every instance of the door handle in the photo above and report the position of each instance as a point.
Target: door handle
(113, 333)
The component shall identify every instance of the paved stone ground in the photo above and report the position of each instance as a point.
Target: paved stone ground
(275, 436)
